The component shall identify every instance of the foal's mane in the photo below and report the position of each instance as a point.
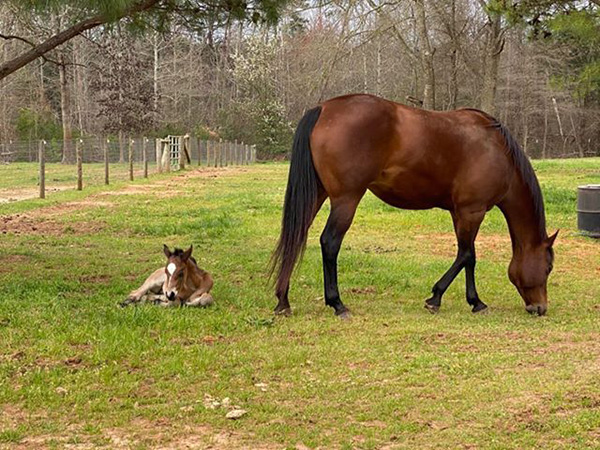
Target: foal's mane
(524, 168)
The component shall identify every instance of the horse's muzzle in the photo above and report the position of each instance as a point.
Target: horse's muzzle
(171, 296)
(540, 310)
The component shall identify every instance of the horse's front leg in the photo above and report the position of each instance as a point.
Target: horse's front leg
(200, 298)
(466, 226)
(153, 284)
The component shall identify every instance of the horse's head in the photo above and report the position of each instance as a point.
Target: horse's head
(176, 271)
(529, 271)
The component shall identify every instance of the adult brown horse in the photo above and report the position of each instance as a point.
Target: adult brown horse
(463, 161)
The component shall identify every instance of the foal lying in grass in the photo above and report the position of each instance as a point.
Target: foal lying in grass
(180, 283)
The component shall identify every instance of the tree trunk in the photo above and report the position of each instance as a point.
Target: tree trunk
(426, 56)
(453, 85)
(493, 49)
(155, 76)
(68, 156)
(545, 126)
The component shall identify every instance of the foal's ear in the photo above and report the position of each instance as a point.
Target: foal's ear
(186, 255)
(167, 251)
(551, 239)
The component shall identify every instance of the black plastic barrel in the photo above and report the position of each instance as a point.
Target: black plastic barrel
(588, 210)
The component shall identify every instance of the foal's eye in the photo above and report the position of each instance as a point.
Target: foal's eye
(180, 275)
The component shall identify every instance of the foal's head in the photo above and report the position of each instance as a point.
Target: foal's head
(529, 271)
(176, 271)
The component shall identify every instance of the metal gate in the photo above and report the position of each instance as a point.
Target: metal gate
(175, 150)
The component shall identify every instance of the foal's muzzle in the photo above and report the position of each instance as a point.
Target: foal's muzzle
(171, 296)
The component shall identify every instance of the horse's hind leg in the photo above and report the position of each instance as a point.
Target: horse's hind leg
(340, 219)
(466, 226)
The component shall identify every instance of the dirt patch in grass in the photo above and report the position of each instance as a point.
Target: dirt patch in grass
(33, 223)
(8, 196)
(11, 416)
(9, 262)
(173, 186)
(62, 208)
(213, 172)
(158, 433)
(42, 221)
(161, 190)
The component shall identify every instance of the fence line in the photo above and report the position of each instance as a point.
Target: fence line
(88, 150)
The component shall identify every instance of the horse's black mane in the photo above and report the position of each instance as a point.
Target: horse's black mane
(525, 169)
(179, 252)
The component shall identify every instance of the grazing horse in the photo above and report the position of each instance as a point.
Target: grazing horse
(463, 161)
(180, 283)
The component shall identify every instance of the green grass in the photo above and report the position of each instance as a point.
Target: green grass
(77, 370)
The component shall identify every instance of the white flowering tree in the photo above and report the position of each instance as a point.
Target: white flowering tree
(258, 114)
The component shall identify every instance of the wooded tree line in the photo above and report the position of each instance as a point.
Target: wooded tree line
(214, 69)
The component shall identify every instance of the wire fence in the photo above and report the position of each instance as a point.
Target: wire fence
(33, 168)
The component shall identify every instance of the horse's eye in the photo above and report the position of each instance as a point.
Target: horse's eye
(180, 275)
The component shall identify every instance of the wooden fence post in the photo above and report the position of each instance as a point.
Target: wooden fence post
(105, 146)
(158, 150)
(121, 157)
(131, 159)
(208, 153)
(182, 150)
(79, 155)
(199, 143)
(167, 151)
(220, 147)
(42, 157)
(145, 156)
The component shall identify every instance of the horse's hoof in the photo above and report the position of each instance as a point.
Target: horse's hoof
(283, 312)
(432, 307)
(344, 315)
(125, 303)
(480, 308)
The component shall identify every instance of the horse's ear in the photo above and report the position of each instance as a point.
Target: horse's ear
(186, 255)
(167, 251)
(551, 239)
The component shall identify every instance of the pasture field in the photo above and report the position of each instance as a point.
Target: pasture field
(19, 181)
(78, 372)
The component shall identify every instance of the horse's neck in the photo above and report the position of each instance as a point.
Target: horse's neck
(195, 274)
(527, 230)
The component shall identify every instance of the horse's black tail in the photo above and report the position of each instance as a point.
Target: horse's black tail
(300, 203)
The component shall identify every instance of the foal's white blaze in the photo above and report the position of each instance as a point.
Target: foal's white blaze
(171, 268)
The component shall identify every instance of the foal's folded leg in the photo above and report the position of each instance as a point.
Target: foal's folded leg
(153, 284)
(203, 299)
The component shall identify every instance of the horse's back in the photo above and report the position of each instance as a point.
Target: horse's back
(410, 158)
